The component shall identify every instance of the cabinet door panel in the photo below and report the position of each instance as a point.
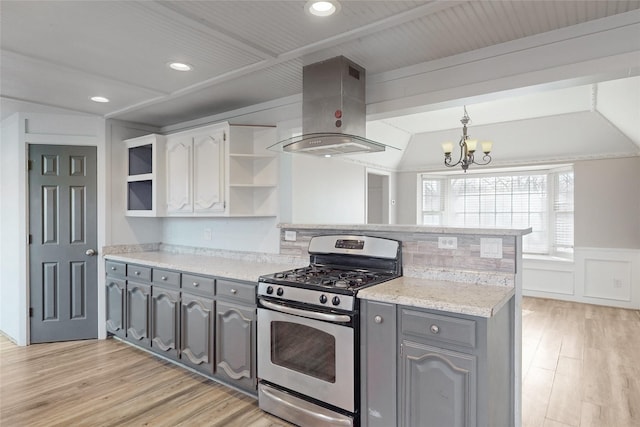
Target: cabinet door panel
(208, 172)
(179, 157)
(197, 332)
(115, 309)
(379, 364)
(438, 387)
(138, 313)
(164, 321)
(235, 343)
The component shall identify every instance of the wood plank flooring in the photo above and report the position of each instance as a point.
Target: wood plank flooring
(581, 367)
(109, 383)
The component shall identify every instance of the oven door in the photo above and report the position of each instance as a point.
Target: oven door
(309, 356)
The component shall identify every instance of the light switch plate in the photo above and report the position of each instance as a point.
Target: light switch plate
(290, 236)
(490, 248)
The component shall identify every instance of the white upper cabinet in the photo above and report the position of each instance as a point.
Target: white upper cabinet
(222, 170)
(145, 174)
(195, 171)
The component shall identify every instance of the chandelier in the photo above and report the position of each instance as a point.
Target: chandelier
(467, 148)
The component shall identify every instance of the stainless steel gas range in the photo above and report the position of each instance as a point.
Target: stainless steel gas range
(308, 337)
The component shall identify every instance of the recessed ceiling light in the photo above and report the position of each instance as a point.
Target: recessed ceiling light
(322, 8)
(180, 66)
(99, 99)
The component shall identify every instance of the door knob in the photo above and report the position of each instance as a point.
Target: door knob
(90, 252)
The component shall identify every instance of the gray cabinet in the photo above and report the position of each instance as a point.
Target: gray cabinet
(197, 326)
(379, 364)
(438, 387)
(137, 309)
(203, 322)
(115, 306)
(165, 321)
(449, 369)
(236, 344)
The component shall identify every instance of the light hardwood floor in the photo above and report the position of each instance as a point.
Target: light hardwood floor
(580, 365)
(580, 368)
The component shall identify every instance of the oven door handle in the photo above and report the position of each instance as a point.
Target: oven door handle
(340, 318)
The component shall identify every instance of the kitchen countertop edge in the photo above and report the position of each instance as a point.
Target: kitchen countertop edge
(452, 297)
(231, 268)
(487, 231)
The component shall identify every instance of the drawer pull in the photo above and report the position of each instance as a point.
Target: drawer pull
(196, 284)
(233, 291)
(137, 273)
(164, 277)
(377, 319)
(113, 268)
(435, 329)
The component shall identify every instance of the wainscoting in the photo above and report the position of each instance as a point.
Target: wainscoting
(608, 277)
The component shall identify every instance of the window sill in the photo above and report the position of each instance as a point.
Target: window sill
(547, 258)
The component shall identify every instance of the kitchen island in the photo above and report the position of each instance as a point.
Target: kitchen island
(463, 283)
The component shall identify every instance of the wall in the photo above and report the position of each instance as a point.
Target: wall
(407, 198)
(315, 197)
(234, 234)
(607, 203)
(13, 214)
(18, 131)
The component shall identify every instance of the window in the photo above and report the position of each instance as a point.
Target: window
(540, 199)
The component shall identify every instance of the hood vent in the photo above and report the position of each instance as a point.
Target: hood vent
(333, 111)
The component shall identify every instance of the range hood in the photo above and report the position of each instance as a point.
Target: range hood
(333, 111)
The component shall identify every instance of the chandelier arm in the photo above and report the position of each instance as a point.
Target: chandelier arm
(486, 158)
(461, 159)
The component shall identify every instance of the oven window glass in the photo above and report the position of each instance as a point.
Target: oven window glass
(304, 349)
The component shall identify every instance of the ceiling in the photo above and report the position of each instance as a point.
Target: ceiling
(60, 53)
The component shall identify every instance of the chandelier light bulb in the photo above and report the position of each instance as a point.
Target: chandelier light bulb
(486, 146)
(471, 144)
(447, 147)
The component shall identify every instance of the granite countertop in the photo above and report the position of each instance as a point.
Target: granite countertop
(240, 269)
(454, 297)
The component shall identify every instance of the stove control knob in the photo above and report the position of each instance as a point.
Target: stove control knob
(323, 299)
(335, 301)
(279, 292)
(269, 290)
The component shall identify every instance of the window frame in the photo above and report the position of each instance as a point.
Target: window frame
(552, 173)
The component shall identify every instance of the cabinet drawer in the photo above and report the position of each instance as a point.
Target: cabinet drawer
(117, 269)
(198, 284)
(239, 291)
(139, 272)
(165, 277)
(440, 328)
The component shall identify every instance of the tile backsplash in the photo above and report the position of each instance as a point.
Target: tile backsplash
(422, 257)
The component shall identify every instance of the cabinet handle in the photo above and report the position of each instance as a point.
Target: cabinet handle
(377, 319)
(113, 268)
(233, 291)
(196, 284)
(164, 277)
(435, 329)
(137, 273)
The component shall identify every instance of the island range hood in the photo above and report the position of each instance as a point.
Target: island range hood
(333, 111)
